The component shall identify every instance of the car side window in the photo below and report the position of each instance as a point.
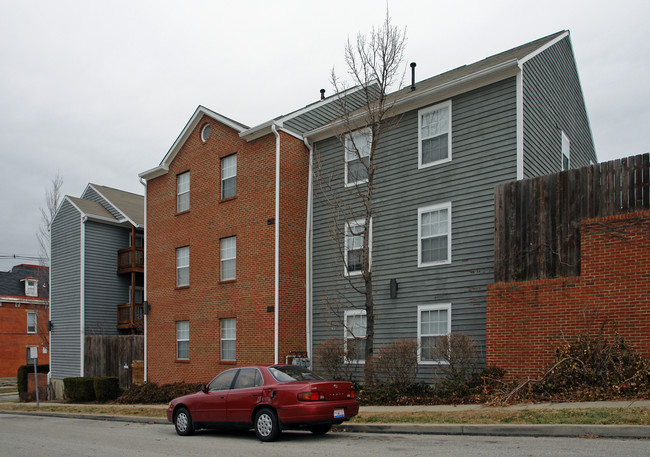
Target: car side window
(223, 381)
(247, 378)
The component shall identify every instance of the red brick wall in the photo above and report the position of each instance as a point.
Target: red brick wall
(246, 216)
(527, 320)
(14, 338)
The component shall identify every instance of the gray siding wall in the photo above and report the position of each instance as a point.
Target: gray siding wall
(104, 288)
(65, 292)
(553, 102)
(93, 196)
(483, 155)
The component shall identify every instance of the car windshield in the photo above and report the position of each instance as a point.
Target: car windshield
(293, 373)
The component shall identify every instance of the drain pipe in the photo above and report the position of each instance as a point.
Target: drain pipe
(277, 243)
(145, 316)
(308, 249)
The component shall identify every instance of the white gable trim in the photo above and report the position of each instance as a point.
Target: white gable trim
(541, 49)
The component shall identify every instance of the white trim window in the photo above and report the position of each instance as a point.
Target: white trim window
(31, 287)
(566, 152)
(205, 132)
(32, 322)
(183, 266)
(229, 176)
(228, 258)
(353, 252)
(434, 235)
(357, 156)
(434, 322)
(229, 339)
(434, 135)
(355, 335)
(183, 340)
(183, 192)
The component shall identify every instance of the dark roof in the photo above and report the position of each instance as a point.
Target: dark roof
(128, 203)
(11, 284)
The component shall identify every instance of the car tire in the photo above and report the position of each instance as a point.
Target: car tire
(267, 426)
(183, 422)
(319, 429)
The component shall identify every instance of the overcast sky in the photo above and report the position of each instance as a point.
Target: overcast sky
(100, 90)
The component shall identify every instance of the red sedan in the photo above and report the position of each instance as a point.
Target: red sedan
(268, 399)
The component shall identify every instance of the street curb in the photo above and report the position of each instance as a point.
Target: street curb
(562, 430)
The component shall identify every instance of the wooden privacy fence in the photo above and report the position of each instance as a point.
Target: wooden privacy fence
(537, 220)
(113, 355)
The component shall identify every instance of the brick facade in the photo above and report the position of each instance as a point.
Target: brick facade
(250, 216)
(526, 321)
(14, 338)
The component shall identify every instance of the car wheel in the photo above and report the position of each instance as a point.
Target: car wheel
(183, 422)
(267, 427)
(319, 429)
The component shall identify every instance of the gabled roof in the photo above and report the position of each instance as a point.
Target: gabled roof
(129, 204)
(91, 209)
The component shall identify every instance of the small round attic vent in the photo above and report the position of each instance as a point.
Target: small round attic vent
(205, 132)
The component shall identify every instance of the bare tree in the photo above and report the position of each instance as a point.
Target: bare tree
(374, 63)
(52, 199)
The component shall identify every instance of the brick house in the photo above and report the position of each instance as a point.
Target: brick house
(24, 315)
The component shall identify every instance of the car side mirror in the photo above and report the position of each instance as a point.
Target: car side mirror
(204, 388)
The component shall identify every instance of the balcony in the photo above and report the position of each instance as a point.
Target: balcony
(130, 316)
(130, 260)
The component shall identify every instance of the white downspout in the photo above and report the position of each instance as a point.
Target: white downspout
(308, 251)
(277, 243)
(82, 298)
(144, 183)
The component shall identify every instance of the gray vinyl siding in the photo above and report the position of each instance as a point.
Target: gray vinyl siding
(553, 102)
(93, 196)
(104, 289)
(483, 155)
(65, 292)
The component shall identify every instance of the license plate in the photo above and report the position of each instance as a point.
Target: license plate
(339, 413)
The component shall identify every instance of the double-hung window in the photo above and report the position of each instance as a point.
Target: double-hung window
(228, 258)
(357, 156)
(566, 152)
(434, 322)
(183, 340)
(354, 231)
(228, 339)
(183, 192)
(434, 134)
(183, 266)
(229, 176)
(31, 322)
(355, 335)
(434, 235)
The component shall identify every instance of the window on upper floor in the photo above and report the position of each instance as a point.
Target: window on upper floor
(205, 132)
(229, 176)
(357, 156)
(229, 339)
(434, 134)
(31, 287)
(228, 258)
(566, 152)
(183, 266)
(183, 340)
(354, 232)
(434, 322)
(31, 322)
(434, 235)
(183, 192)
(355, 335)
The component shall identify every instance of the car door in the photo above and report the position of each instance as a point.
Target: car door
(211, 406)
(244, 396)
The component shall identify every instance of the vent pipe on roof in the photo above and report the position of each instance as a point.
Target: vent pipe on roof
(322, 94)
(413, 75)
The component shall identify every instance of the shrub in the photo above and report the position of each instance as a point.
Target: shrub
(331, 360)
(397, 362)
(151, 392)
(26, 370)
(106, 389)
(460, 358)
(79, 389)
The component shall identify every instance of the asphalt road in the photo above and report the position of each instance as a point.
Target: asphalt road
(27, 436)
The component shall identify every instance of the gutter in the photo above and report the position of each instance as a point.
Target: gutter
(277, 244)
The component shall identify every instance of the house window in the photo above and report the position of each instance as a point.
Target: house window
(434, 322)
(31, 287)
(183, 192)
(357, 156)
(228, 339)
(566, 152)
(355, 335)
(183, 266)
(205, 132)
(183, 340)
(434, 235)
(354, 246)
(31, 322)
(434, 134)
(229, 176)
(228, 258)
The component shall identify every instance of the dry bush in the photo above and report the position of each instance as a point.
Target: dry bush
(332, 361)
(397, 362)
(460, 359)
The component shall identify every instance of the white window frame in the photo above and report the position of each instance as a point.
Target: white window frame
(433, 307)
(229, 337)
(421, 113)
(227, 173)
(566, 152)
(182, 204)
(430, 209)
(350, 148)
(227, 257)
(31, 287)
(182, 266)
(348, 235)
(35, 323)
(205, 132)
(181, 337)
(348, 336)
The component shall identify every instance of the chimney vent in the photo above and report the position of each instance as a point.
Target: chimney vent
(322, 94)
(413, 76)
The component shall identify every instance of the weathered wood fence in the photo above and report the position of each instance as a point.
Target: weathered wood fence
(113, 355)
(537, 221)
